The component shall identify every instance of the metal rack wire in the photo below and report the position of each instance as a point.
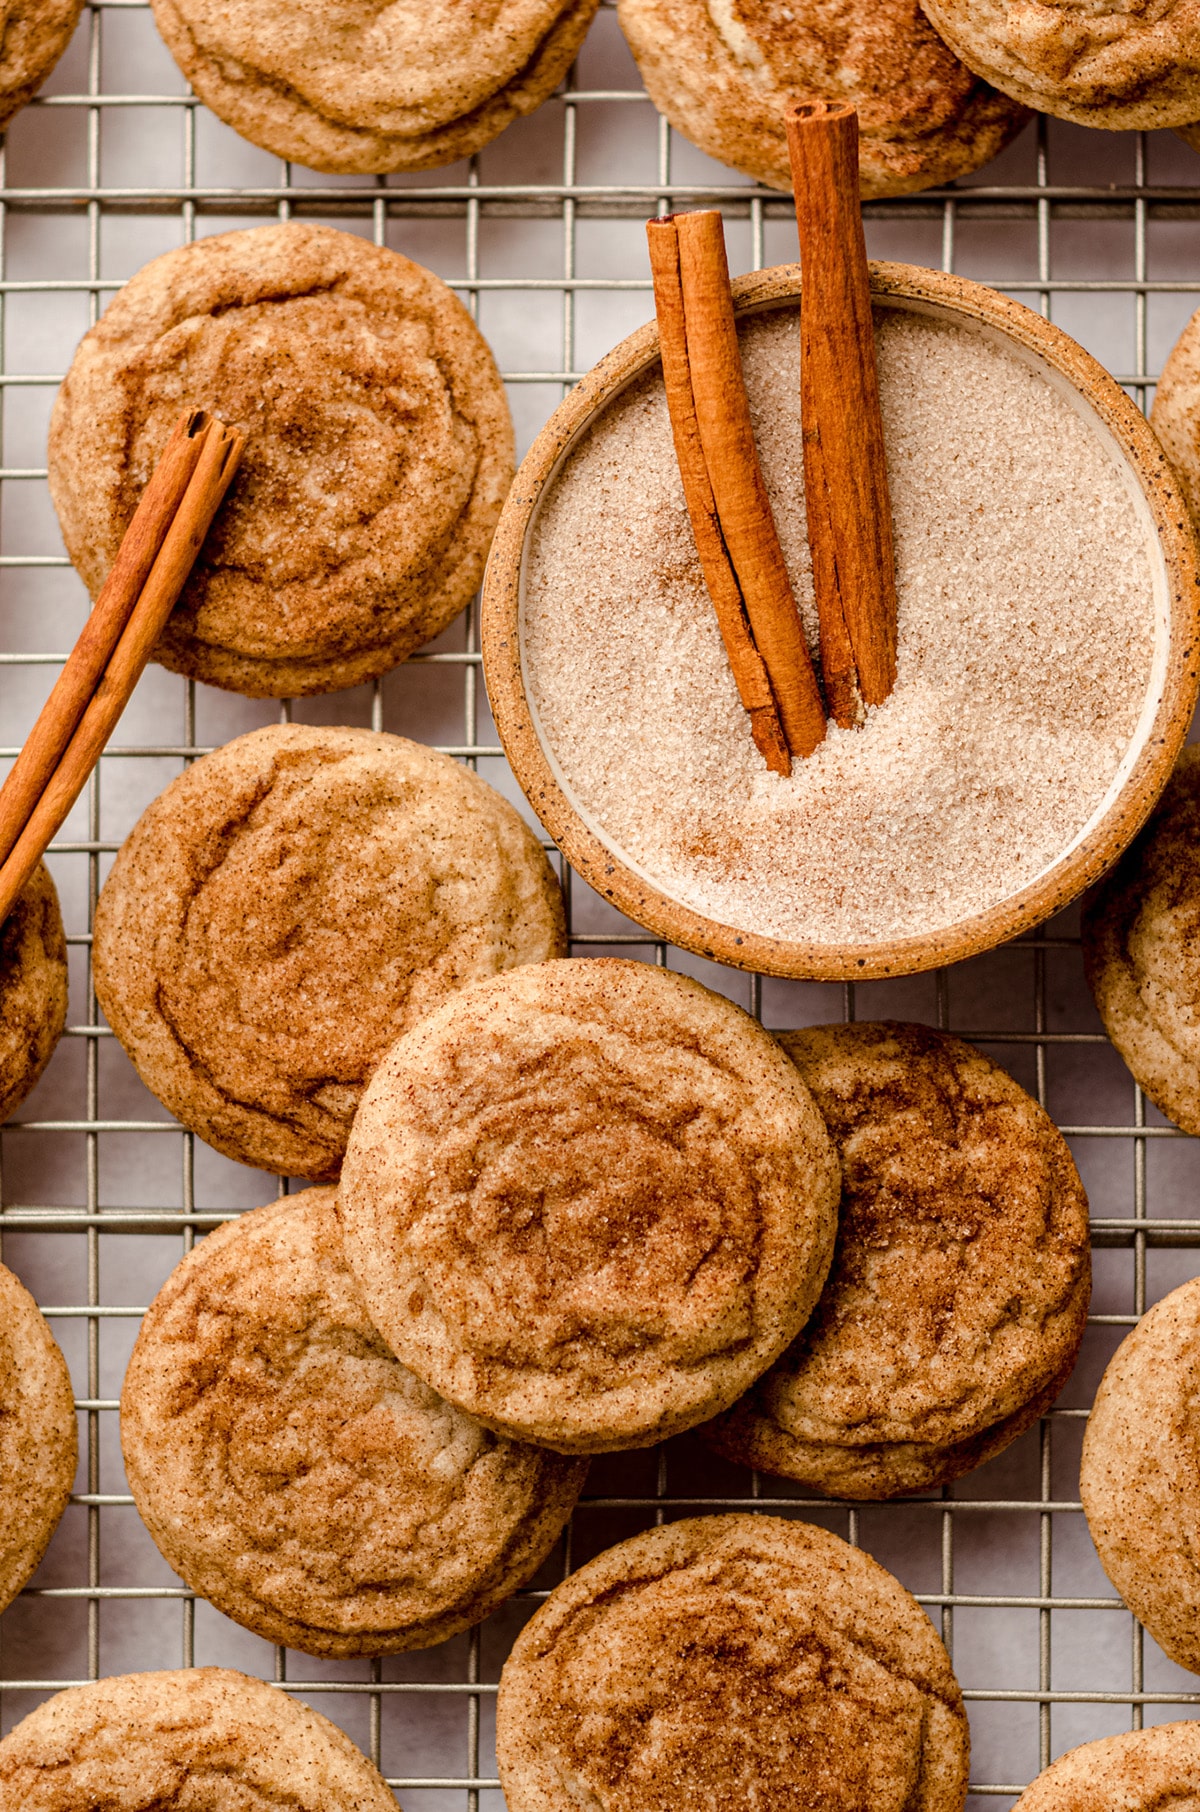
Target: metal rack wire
(544, 228)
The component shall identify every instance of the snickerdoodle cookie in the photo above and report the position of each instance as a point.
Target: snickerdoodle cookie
(589, 1202)
(1138, 1771)
(378, 451)
(731, 1661)
(1119, 64)
(205, 1739)
(35, 33)
(1140, 1477)
(297, 1476)
(37, 1435)
(1141, 951)
(287, 908)
(959, 1289)
(1175, 416)
(723, 72)
(33, 987)
(373, 84)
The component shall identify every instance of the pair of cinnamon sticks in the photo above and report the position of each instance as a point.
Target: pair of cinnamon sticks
(845, 474)
(155, 557)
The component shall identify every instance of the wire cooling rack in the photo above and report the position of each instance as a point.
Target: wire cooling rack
(101, 1193)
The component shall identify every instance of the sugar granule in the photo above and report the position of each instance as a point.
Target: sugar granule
(1025, 647)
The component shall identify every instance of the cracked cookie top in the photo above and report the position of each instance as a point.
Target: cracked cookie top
(731, 1661)
(202, 1739)
(724, 71)
(297, 1475)
(378, 451)
(959, 1289)
(1118, 64)
(373, 85)
(288, 907)
(588, 1201)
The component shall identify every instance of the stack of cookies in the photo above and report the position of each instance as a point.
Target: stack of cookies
(583, 1206)
(580, 1206)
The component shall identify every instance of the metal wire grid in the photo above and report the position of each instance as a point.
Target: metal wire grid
(623, 1495)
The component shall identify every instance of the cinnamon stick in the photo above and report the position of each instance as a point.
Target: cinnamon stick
(749, 670)
(743, 507)
(80, 675)
(845, 468)
(220, 450)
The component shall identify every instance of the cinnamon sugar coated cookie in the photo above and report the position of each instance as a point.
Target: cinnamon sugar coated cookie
(589, 1202)
(37, 1436)
(1121, 65)
(375, 84)
(297, 1476)
(33, 987)
(288, 907)
(1175, 416)
(1141, 952)
(35, 34)
(378, 451)
(203, 1738)
(1137, 1771)
(959, 1290)
(724, 71)
(1140, 1476)
(731, 1661)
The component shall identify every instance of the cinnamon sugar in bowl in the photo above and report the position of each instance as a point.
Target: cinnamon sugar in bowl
(1047, 672)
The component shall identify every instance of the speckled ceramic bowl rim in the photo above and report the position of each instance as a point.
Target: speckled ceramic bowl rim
(1063, 879)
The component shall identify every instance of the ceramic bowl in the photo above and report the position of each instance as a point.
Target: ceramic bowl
(1175, 671)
